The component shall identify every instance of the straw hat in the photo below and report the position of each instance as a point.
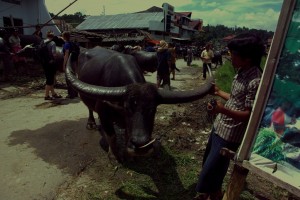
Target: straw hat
(163, 44)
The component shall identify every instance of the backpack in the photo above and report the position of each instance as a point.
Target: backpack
(43, 52)
(75, 50)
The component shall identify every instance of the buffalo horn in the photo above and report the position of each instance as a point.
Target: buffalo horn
(173, 97)
(106, 93)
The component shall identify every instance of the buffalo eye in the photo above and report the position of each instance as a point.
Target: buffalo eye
(132, 104)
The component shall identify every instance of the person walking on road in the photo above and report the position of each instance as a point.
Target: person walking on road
(164, 65)
(172, 51)
(49, 66)
(207, 56)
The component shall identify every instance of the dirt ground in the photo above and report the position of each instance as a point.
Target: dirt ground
(47, 153)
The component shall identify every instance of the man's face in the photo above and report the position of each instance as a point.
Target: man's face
(236, 60)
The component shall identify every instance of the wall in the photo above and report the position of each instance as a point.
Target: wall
(31, 12)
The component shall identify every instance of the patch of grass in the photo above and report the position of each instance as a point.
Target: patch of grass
(194, 65)
(172, 176)
(224, 75)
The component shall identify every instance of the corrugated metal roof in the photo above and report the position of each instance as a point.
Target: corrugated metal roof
(120, 21)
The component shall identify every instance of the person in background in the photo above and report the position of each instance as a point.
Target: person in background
(164, 65)
(189, 56)
(5, 56)
(38, 31)
(172, 60)
(15, 41)
(67, 49)
(232, 118)
(149, 48)
(206, 56)
(15, 47)
(50, 67)
(280, 118)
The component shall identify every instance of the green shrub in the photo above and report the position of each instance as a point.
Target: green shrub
(224, 75)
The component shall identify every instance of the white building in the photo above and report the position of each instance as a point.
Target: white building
(25, 15)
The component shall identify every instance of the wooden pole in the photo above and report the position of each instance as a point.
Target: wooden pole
(236, 183)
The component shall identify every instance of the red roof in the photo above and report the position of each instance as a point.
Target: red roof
(196, 24)
(229, 37)
(155, 42)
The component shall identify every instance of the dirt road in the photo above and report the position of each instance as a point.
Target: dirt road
(45, 145)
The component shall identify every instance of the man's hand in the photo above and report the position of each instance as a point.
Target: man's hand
(214, 107)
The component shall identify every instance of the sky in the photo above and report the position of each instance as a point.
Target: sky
(258, 14)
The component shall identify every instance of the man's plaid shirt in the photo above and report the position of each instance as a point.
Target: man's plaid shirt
(243, 91)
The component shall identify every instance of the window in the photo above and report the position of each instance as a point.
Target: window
(17, 23)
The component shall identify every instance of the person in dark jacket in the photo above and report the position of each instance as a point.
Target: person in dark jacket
(164, 65)
(67, 49)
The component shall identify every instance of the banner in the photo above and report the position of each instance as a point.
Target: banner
(272, 141)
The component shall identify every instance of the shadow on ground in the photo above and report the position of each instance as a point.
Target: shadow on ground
(162, 172)
(66, 144)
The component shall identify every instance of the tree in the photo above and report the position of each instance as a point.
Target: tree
(73, 19)
(215, 34)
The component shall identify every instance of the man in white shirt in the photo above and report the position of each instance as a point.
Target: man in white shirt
(206, 56)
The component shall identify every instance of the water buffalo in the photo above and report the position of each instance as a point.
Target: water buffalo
(112, 84)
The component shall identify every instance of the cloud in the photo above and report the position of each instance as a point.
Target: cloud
(259, 14)
(241, 13)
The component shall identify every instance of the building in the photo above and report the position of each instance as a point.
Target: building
(151, 25)
(25, 15)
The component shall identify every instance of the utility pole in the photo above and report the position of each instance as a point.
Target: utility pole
(103, 11)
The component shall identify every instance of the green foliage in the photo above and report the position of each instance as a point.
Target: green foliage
(216, 33)
(287, 79)
(269, 145)
(287, 91)
(74, 19)
(224, 75)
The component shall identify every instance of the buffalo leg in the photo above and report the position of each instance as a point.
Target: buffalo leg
(91, 123)
(108, 133)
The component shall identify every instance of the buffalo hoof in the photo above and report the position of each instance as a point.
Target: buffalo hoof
(91, 126)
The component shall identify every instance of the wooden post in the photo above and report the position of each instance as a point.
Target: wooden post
(236, 183)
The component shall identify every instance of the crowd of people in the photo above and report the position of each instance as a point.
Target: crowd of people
(51, 67)
(11, 55)
(166, 60)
